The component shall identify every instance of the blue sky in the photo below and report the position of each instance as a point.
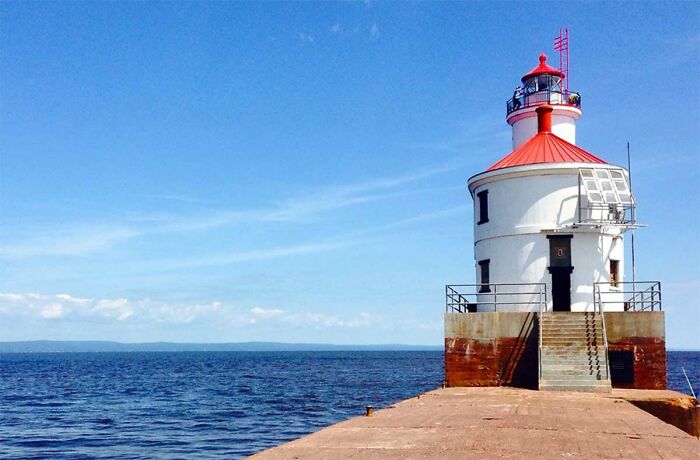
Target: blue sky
(297, 171)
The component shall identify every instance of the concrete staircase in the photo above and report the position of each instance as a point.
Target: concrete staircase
(572, 352)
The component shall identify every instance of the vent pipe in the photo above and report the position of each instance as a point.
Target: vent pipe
(544, 118)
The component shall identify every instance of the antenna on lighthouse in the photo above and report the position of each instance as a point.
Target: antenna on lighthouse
(561, 44)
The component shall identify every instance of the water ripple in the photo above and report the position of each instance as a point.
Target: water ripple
(192, 405)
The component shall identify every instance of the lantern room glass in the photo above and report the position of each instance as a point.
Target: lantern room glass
(543, 82)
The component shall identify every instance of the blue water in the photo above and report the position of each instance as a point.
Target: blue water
(205, 404)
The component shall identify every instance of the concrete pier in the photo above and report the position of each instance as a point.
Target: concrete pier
(503, 422)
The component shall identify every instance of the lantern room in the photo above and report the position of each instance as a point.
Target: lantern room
(543, 85)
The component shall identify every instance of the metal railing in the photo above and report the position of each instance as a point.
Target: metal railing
(611, 214)
(629, 295)
(466, 298)
(539, 338)
(605, 335)
(569, 98)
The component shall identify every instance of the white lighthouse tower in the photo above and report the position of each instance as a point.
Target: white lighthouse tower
(549, 226)
(549, 212)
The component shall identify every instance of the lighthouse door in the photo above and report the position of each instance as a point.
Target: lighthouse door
(561, 290)
(560, 268)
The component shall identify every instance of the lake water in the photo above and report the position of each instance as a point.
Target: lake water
(205, 404)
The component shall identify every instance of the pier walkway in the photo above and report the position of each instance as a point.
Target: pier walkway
(484, 423)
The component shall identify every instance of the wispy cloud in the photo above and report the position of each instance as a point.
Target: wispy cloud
(247, 256)
(374, 32)
(64, 307)
(68, 242)
(177, 198)
(266, 312)
(81, 239)
(466, 134)
(306, 37)
(337, 28)
(67, 307)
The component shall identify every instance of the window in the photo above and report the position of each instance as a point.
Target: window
(483, 198)
(614, 272)
(484, 278)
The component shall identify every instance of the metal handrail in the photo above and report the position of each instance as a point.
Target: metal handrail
(616, 213)
(563, 97)
(605, 335)
(464, 298)
(543, 307)
(647, 298)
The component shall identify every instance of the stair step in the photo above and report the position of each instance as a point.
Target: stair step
(582, 338)
(579, 332)
(574, 352)
(572, 321)
(567, 360)
(577, 325)
(567, 365)
(570, 375)
(575, 385)
(571, 356)
(573, 381)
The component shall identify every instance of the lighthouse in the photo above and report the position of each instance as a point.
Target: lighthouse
(550, 212)
(551, 307)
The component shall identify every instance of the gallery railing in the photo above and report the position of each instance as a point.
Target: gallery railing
(468, 298)
(628, 295)
(569, 98)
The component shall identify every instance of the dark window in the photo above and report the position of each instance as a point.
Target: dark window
(485, 277)
(621, 367)
(614, 272)
(483, 197)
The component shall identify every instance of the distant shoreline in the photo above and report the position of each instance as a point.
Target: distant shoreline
(58, 346)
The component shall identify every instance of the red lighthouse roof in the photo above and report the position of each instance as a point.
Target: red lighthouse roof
(543, 69)
(545, 147)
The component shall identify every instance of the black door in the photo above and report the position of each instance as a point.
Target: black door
(560, 268)
(561, 289)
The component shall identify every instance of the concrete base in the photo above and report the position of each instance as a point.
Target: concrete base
(491, 349)
(501, 349)
(637, 348)
(485, 423)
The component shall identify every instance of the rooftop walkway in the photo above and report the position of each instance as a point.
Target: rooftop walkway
(483, 423)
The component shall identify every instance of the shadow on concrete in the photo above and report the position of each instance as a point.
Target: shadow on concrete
(520, 368)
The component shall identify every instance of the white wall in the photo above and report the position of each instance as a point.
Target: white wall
(525, 124)
(523, 210)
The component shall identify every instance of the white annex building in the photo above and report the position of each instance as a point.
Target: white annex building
(549, 216)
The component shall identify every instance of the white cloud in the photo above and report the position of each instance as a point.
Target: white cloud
(64, 306)
(53, 310)
(266, 312)
(305, 37)
(119, 309)
(324, 320)
(374, 32)
(144, 311)
(71, 299)
(68, 242)
(82, 239)
(337, 28)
